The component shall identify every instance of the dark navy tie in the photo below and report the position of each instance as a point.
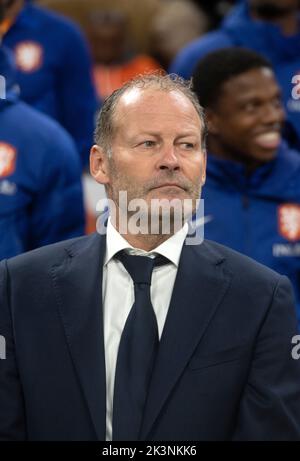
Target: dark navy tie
(137, 350)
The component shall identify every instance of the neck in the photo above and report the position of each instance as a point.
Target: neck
(288, 22)
(142, 238)
(145, 242)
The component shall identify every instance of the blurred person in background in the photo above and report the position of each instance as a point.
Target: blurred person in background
(252, 191)
(115, 59)
(53, 68)
(176, 23)
(269, 27)
(139, 16)
(40, 173)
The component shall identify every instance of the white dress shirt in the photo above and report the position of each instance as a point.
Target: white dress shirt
(118, 297)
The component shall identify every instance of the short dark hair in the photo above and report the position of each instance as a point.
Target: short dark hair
(218, 67)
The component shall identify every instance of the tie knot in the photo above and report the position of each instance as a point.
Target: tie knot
(140, 267)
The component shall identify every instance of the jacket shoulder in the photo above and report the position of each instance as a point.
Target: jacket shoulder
(245, 268)
(46, 17)
(37, 260)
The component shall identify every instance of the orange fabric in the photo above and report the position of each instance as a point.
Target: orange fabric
(5, 25)
(109, 78)
(90, 222)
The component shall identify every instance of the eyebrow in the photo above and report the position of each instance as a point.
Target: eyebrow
(245, 98)
(158, 134)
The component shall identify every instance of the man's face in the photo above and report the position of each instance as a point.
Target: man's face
(247, 120)
(156, 150)
(107, 42)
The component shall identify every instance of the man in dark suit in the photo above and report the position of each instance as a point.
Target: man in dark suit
(141, 334)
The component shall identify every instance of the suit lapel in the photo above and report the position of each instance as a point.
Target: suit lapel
(200, 285)
(78, 287)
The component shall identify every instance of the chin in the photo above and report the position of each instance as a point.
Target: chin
(169, 194)
(264, 156)
(267, 157)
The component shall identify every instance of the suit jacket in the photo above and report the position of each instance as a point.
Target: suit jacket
(224, 369)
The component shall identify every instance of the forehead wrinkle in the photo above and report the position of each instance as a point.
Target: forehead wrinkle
(181, 126)
(134, 98)
(148, 109)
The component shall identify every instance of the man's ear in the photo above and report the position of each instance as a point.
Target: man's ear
(212, 120)
(99, 164)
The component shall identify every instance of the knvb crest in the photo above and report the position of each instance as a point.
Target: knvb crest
(8, 156)
(289, 221)
(29, 56)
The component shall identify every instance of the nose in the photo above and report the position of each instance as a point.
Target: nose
(168, 159)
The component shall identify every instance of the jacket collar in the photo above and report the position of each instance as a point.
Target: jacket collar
(200, 286)
(77, 281)
(276, 179)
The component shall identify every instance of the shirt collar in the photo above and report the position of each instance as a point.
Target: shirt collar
(170, 248)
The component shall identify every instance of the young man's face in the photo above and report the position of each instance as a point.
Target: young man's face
(107, 41)
(156, 150)
(247, 120)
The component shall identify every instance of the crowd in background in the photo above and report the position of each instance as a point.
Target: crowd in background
(62, 58)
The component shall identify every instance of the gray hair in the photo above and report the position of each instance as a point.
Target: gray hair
(105, 125)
